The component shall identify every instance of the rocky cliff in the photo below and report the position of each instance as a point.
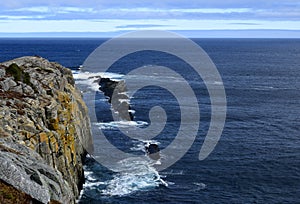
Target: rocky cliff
(43, 125)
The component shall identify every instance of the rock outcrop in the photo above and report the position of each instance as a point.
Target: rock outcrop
(44, 127)
(116, 92)
(152, 151)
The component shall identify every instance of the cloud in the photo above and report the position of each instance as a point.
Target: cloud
(163, 12)
(118, 25)
(44, 9)
(38, 9)
(190, 10)
(243, 23)
(115, 15)
(140, 26)
(165, 4)
(22, 17)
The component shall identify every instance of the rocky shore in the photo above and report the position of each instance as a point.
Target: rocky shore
(43, 125)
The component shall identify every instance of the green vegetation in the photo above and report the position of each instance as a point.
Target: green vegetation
(26, 79)
(15, 71)
(19, 75)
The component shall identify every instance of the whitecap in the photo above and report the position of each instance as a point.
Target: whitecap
(124, 100)
(89, 84)
(134, 175)
(218, 82)
(90, 80)
(87, 75)
(172, 172)
(263, 88)
(200, 186)
(140, 145)
(120, 124)
(131, 111)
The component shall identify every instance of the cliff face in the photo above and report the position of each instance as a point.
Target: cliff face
(43, 122)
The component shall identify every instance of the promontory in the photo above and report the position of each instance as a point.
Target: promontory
(44, 127)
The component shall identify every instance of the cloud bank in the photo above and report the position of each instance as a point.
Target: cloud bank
(114, 16)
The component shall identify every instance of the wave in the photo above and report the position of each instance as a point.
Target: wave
(141, 144)
(134, 175)
(172, 172)
(201, 185)
(120, 124)
(263, 88)
(90, 80)
(87, 75)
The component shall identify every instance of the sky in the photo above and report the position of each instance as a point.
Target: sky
(232, 18)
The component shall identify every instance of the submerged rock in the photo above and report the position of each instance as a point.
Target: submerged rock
(44, 127)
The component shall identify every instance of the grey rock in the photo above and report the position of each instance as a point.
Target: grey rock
(2, 73)
(27, 89)
(44, 130)
(20, 167)
(7, 84)
(18, 89)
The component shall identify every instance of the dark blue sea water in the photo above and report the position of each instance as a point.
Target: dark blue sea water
(257, 159)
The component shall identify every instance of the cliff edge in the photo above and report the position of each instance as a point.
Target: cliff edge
(43, 123)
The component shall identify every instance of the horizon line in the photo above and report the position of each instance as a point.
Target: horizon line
(244, 33)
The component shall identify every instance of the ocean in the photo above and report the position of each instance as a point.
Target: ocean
(257, 159)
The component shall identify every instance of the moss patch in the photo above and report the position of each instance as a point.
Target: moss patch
(19, 75)
(15, 71)
(26, 79)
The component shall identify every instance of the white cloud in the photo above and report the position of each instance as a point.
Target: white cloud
(38, 9)
(293, 13)
(118, 25)
(44, 9)
(111, 16)
(214, 10)
(191, 10)
(75, 9)
(61, 13)
(22, 17)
